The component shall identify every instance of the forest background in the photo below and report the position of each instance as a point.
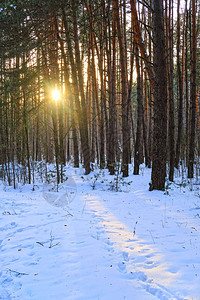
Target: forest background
(103, 82)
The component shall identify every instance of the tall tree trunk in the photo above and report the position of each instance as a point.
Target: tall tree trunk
(71, 104)
(125, 113)
(145, 117)
(193, 94)
(186, 85)
(85, 140)
(138, 144)
(160, 100)
(180, 92)
(80, 108)
(171, 94)
(112, 105)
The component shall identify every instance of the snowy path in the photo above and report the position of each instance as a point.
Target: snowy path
(105, 245)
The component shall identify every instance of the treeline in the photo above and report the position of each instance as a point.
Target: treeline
(128, 74)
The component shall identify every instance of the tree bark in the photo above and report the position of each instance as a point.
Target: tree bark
(125, 113)
(138, 144)
(160, 100)
(171, 95)
(193, 95)
(180, 92)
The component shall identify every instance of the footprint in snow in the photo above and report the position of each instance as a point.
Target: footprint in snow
(139, 275)
(8, 226)
(149, 255)
(6, 281)
(149, 262)
(131, 240)
(122, 266)
(31, 253)
(4, 295)
(108, 242)
(108, 245)
(150, 265)
(125, 256)
(17, 286)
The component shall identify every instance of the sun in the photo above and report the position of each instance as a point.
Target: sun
(55, 95)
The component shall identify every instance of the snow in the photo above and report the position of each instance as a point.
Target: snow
(100, 237)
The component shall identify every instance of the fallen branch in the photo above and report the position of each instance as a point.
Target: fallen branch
(68, 213)
(151, 236)
(40, 244)
(17, 273)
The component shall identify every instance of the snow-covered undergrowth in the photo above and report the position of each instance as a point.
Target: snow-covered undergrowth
(100, 237)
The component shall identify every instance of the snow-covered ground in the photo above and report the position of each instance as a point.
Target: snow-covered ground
(89, 241)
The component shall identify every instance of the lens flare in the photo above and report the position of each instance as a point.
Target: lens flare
(55, 95)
